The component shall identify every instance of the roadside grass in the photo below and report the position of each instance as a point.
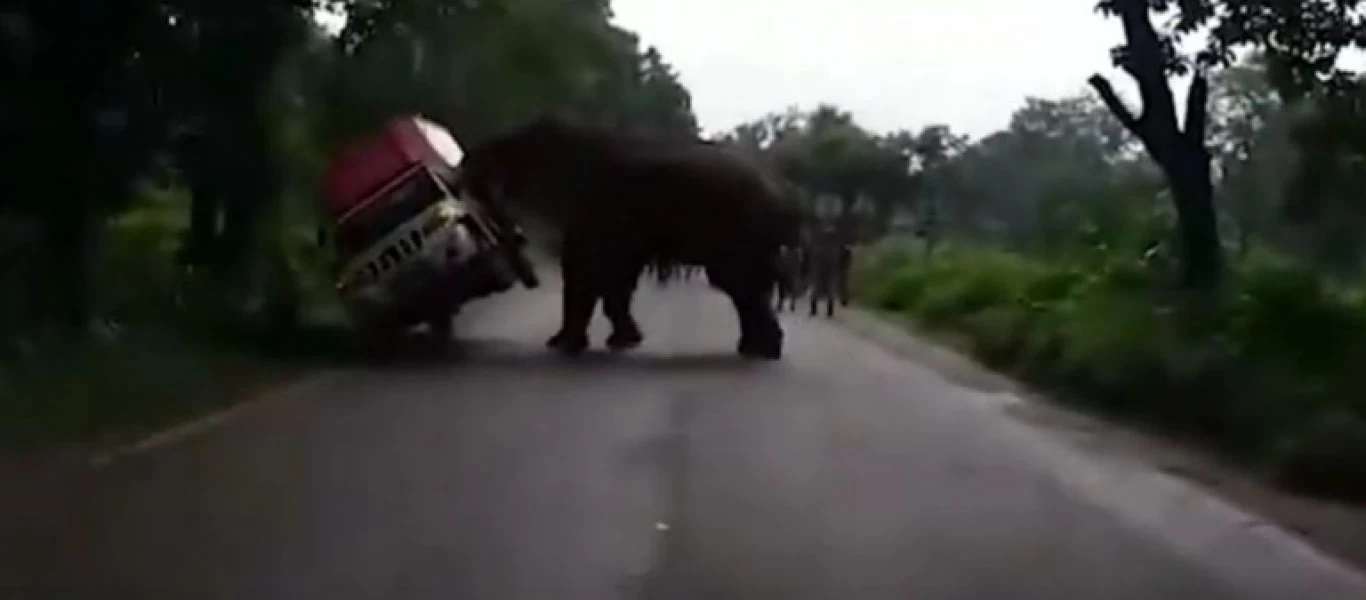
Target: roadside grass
(102, 392)
(168, 344)
(1271, 374)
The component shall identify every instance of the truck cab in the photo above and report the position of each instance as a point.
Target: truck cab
(410, 250)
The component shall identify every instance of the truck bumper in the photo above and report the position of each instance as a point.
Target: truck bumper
(435, 294)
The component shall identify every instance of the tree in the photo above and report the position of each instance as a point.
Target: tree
(826, 154)
(1323, 197)
(1302, 38)
(483, 67)
(1251, 148)
(240, 101)
(934, 146)
(76, 127)
(768, 130)
(223, 70)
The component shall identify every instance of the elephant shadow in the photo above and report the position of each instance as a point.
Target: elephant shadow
(486, 353)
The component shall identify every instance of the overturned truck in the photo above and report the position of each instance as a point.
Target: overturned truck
(409, 249)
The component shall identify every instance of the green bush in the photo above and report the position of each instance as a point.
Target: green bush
(900, 290)
(1326, 456)
(1287, 314)
(1272, 373)
(167, 342)
(999, 333)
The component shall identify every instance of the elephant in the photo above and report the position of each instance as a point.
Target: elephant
(623, 201)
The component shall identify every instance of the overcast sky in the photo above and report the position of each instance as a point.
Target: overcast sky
(893, 63)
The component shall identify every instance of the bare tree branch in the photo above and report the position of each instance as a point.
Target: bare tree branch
(1112, 102)
(1145, 60)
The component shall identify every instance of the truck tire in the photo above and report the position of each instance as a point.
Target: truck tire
(379, 342)
(441, 329)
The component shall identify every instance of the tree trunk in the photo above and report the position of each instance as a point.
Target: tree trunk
(929, 226)
(844, 224)
(1193, 196)
(201, 162)
(70, 239)
(201, 239)
(241, 219)
(1179, 151)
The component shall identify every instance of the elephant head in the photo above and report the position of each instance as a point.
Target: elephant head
(534, 166)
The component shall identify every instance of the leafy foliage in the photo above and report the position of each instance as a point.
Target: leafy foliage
(1062, 240)
(840, 167)
(1253, 376)
(1301, 40)
(161, 158)
(237, 103)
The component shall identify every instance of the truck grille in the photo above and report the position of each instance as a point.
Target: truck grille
(396, 253)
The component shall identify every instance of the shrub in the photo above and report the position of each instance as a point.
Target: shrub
(902, 290)
(1287, 315)
(1325, 456)
(1111, 347)
(1272, 374)
(999, 333)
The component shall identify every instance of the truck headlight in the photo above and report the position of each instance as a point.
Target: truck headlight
(447, 211)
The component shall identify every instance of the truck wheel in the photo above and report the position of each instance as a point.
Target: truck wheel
(379, 343)
(441, 329)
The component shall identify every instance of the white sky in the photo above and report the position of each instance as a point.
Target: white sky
(892, 63)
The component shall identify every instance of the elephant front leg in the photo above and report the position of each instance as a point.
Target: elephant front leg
(579, 299)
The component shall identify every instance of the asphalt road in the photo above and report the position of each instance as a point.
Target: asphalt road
(678, 471)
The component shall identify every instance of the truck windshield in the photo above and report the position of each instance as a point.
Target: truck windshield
(400, 204)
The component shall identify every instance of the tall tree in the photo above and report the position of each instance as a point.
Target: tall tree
(481, 67)
(1303, 37)
(77, 100)
(223, 71)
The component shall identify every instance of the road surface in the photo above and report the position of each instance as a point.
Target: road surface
(679, 471)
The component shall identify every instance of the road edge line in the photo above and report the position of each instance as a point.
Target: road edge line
(206, 423)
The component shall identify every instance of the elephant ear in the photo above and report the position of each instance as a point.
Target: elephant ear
(543, 145)
(553, 131)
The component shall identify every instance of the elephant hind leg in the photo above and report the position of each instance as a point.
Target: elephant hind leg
(616, 304)
(761, 336)
(749, 290)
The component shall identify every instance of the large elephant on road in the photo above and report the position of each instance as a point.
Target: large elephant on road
(621, 201)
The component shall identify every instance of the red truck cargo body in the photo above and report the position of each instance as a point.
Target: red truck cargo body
(366, 166)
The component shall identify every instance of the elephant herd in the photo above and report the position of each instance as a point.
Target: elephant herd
(622, 202)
